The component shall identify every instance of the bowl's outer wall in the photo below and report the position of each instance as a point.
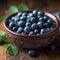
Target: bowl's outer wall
(32, 42)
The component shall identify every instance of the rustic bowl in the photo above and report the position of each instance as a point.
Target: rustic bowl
(33, 41)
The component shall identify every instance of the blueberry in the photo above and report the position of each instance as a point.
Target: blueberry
(51, 47)
(23, 18)
(40, 24)
(33, 26)
(49, 21)
(45, 25)
(36, 31)
(15, 28)
(45, 18)
(31, 33)
(19, 14)
(41, 13)
(42, 31)
(20, 30)
(24, 14)
(10, 21)
(21, 23)
(40, 19)
(27, 29)
(12, 18)
(33, 19)
(16, 19)
(2, 42)
(29, 15)
(32, 53)
(11, 24)
(28, 24)
(23, 33)
(47, 29)
(35, 12)
(38, 16)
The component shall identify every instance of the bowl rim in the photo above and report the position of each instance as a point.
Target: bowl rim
(54, 18)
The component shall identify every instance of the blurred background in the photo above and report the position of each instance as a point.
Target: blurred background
(45, 5)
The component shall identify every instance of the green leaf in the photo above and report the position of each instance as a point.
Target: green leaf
(12, 50)
(23, 7)
(5, 46)
(2, 19)
(4, 37)
(2, 33)
(13, 9)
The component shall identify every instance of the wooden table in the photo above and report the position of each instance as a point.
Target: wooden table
(42, 55)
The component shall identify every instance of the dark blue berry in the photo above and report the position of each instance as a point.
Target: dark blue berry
(31, 33)
(23, 18)
(33, 26)
(11, 24)
(45, 25)
(20, 30)
(27, 29)
(16, 19)
(47, 30)
(24, 14)
(45, 18)
(32, 53)
(33, 19)
(15, 28)
(28, 24)
(40, 24)
(29, 15)
(19, 14)
(36, 31)
(21, 23)
(2, 42)
(42, 31)
(41, 13)
(35, 12)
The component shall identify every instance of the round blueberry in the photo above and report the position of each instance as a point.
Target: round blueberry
(33, 26)
(28, 24)
(19, 14)
(35, 12)
(31, 33)
(24, 14)
(41, 13)
(15, 28)
(47, 29)
(40, 19)
(2, 42)
(20, 30)
(36, 31)
(29, 15)
(16, 19)
(27, 29)
(49, 21)
(42, 31)
(21, 23)
(38, 16)
(45, 18)
(23, 18)
(45, 25)
(12, 18)
(33, 19)
(11, 24)
(40, 24)
(32, 53)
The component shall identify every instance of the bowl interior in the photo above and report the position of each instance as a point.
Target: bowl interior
(48, 14)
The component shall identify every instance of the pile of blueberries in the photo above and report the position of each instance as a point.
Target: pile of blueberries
(32, 23)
